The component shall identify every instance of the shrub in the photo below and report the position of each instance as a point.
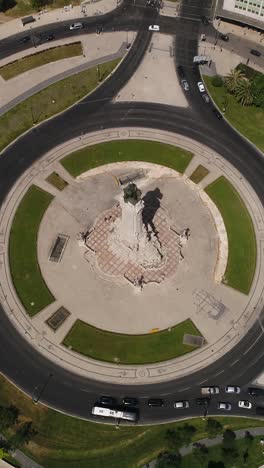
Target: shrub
(217, 81)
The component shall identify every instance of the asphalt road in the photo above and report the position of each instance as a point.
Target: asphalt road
(52, 384)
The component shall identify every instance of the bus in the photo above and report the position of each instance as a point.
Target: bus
(113, 413)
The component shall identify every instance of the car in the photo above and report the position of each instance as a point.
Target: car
(210, 390)
(255, 391)
(107, 400)
(202, 401)
(156, 402)
(76, 26)
(224, 37)
(260, 410)
(181, 404)
(217, 114)
(201, 87)
(232, 389)
(203, 37)
(185, 85)
(151, 3)
(180, 71)
(224, 406)
(255, 52)
(204, 20)
(128, 401)
(205, 98)
(245, 404)
(154, 27)
(50, 37)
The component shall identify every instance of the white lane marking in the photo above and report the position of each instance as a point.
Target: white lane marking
(234, 362)
(219, 373)
(183, 389)
(253, 344)
(206, 380)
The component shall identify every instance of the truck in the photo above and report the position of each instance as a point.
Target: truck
(209, 390)
(200, 60)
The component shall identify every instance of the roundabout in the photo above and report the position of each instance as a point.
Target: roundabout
(79, 294)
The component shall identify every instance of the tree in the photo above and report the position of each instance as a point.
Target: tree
(213, 427)
(168, 460)
(245, 456)
(200, 452)
(7, 4)
(245, 92)
(23, 435)
(229, 449)
(217, 81)
(215, 464)
(229, 438)
(233, 79)
(176, 438)
(248, 437)
(8, 416)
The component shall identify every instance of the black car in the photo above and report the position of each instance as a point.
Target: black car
(217, 114)
(202, 401)
(204, 20)
(256, 391)
(255, 52)
(156, 402)
(224, 37)
(107, 400)
(25, 39)
(51, 37)
(128, 401)
(180, 71)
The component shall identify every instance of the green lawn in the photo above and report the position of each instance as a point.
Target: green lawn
(23, 7)
(254, 460)
(57, 181)
(199, 174)
(248, 120)
(242, 251)
(126, 150)
(130, 349)
(63, 441)
(26, 275)
(49, 102)
(36, 60)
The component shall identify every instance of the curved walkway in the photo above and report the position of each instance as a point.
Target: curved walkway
(240, 433)
(241, 321)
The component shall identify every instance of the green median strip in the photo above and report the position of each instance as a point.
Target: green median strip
(126, 150)
(130, 349)
(50, 101)
(242, 251)
(26, 275)
(41, 58)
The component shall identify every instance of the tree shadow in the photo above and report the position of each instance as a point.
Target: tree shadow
(151, 206)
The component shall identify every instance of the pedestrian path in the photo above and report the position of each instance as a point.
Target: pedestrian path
(97, 8)
(240, 433)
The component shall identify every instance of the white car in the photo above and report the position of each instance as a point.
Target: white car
(201, 87)
(232, 389)
(245, 404)
(181, 404)
(224, 406)
(154, 27)
(76, 26)
(185, 85)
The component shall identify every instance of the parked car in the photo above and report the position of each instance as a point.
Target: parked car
(205, 98)
(128, 401)
(217, 114)
(76, 26)
(204, 20)
(224, 406)
(181, 404)
(154, 27)
(245, 404)
(201, 87)
(180, 71)
(107, 400)
(255, 52)
(224, 37)
(210, 390)
(202, 401)
(156, 402)
(185, 85)
(232, 389)
(255, 391)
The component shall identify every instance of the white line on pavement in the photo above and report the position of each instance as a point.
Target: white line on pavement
(253, 344)
(234, 362)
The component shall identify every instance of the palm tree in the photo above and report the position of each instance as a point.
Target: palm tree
(245, 92)
(233, 79)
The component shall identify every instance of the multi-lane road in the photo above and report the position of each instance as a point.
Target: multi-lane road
(33, 373)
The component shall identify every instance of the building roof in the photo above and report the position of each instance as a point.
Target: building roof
(233, 17)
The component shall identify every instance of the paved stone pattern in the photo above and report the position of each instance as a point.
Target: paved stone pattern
(113, 265)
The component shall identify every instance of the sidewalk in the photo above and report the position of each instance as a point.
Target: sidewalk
(100, 7)
(240, 433)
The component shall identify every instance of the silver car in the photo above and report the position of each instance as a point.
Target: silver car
(224, 406)
(185, 85)
(232, 389)
(181, 404)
